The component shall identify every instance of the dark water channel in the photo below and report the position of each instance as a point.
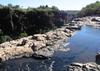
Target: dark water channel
(83, 47)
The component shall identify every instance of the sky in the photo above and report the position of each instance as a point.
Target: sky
(61, 4)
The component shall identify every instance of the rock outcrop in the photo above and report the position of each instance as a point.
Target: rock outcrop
(39, 45)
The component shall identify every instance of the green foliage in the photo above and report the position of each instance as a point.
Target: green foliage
(55, 8)
(5, 38)
(19, 22)
(91, 9)
(24, 34)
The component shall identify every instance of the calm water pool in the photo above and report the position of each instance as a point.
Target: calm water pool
(85, 44)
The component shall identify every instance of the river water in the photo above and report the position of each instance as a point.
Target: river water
(83, 47)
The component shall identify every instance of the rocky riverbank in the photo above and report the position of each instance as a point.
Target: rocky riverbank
(38, 45)
(89, 20)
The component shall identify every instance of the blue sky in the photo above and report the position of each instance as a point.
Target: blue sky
(61, 4)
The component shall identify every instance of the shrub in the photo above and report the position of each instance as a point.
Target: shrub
(23, 34)
(5, 38)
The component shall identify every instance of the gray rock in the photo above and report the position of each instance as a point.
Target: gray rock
(98, 58)
(77, 64)
(84, 67)
(39, 37)
(38, 45)
(96, 19)
(22, 43)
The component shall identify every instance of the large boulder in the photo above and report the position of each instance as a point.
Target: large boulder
(95, 19)
(22, 43)
(67, 31)
(60, 34)
(39, 37)
(44, 53)
(37, 45)
(50, 35)
(15, 52)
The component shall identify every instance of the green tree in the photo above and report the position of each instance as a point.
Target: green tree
(91, 9)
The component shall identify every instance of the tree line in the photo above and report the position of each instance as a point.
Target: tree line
(16, 22)
(91, 9)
